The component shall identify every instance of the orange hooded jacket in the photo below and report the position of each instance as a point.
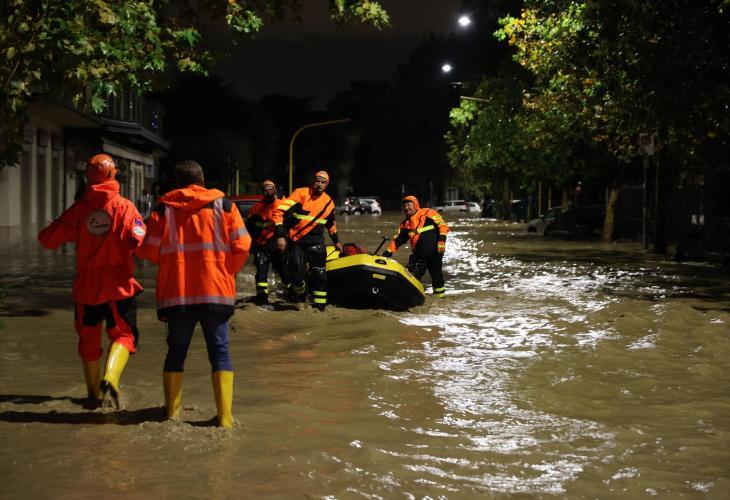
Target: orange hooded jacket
(309, 215)
(106, 229)
(420, 227)
(199, 241)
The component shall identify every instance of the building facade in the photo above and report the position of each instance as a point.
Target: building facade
(57, 141)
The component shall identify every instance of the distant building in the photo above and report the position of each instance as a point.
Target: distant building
(366, 103)
(57, 141)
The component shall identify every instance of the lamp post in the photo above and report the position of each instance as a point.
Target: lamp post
(299, 131)
(464, 21)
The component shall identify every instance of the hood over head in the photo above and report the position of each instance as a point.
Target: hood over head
(413, 200)
(191, 197)
(98, 194)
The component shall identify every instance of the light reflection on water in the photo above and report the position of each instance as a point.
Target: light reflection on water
(501, 313)
(551, 367)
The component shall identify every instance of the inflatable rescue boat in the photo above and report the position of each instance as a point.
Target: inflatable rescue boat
(365, 281)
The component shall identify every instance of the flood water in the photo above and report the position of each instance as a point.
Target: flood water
(552, 368)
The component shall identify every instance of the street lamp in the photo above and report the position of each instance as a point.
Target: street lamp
(446, 68)
(300, 130)
(464, 21)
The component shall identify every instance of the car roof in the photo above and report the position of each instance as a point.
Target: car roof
(246, 197)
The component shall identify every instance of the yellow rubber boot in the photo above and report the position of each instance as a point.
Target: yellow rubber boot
(93, 379)
(115, 363)
(223, 390)
(172, 381)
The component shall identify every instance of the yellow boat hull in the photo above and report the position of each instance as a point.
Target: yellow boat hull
(371, 281)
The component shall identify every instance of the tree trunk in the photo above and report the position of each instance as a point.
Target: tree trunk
(610, 217)
(506, 205)
(665, 177)
(565, 202)
(660, 217)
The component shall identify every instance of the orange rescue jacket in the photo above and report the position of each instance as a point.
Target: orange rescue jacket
(199, 241)
(260, 221)
(106, 229)
(307, 216)
(420, 227)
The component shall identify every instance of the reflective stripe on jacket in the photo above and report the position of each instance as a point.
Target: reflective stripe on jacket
(106, 229)
(307, 215)
(200, 242)
(423, 222)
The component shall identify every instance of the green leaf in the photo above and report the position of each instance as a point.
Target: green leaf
(98, 103)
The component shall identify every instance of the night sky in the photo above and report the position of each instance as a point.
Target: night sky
(316, 57)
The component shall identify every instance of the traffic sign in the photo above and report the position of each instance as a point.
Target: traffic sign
(646, 144)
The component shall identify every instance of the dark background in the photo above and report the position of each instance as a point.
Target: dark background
(238, 122)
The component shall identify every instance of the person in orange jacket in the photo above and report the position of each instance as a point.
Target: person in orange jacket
(260, 225)
(106, 229)
(426, 231)
(308, 212)
(199, 241)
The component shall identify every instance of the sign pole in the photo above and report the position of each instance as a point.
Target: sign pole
(644, 215)
(646, 147)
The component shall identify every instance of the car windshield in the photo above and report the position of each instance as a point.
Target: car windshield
(244, 206)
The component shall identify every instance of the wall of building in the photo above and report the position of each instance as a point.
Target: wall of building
(57, 141)
(37, 189)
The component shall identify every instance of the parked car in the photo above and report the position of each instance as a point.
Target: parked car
(369, 206)
(575, 222)
(458, 206)
(489, 208)
(473, 207)
(518, 210)
(245, 202)
(707, 243)
(346, 207)
(538, 225)
(359, 205)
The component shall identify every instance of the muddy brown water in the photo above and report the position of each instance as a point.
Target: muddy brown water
(552, 368)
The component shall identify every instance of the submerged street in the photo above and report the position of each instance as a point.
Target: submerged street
(552, 367)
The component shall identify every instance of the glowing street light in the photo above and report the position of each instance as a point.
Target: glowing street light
(464, 21)
(446, 68)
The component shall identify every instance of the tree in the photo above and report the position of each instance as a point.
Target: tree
(85, 50)
(486, 151)
(604, 71)
(622, 67)
(225, 133)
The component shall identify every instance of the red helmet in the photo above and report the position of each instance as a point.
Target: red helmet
(100, 168)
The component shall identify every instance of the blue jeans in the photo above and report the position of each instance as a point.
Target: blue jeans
(180, 332)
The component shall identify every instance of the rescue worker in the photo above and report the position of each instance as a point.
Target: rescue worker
(199, 241)
(308, 212)
(426, 230)
(260, 225)
(106, 229)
